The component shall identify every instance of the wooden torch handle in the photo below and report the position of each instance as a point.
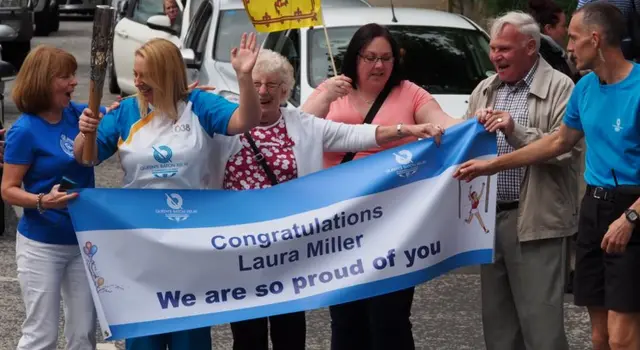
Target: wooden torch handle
(89, 150)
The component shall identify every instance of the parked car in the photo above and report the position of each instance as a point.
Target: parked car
(147, 21)
(133, 30)
(215, 30)
(7, 70)
(447, 54)
(46, 14)
(87, 7)
(17, 14)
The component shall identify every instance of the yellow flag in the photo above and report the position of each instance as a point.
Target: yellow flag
(276, 15)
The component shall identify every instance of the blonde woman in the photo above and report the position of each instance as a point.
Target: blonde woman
(168, 124)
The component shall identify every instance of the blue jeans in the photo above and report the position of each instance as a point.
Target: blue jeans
(194, 339)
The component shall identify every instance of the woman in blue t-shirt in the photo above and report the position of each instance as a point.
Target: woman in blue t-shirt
(38, 154)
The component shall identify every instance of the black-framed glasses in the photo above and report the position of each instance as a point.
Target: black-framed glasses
(371, 59)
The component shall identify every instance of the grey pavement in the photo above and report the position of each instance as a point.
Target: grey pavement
(446, 311)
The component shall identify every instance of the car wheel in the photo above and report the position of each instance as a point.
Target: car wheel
(43, 21)
(55, 18)
(15, 52)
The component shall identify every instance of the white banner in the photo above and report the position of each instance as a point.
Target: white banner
(164, 260)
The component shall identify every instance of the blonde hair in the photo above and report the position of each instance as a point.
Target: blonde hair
(32, 92)
(269, 62)
(166, 74)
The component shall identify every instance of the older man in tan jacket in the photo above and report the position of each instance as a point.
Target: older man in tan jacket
(522, 291)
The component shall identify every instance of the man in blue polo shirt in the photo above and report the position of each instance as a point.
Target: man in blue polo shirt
(604, 109)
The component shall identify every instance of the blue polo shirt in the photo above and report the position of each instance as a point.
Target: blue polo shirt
(608, 116)
(48, 150)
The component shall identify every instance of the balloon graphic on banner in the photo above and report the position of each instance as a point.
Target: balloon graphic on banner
(90, 249)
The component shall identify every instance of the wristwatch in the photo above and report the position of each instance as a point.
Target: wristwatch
(632, 216)
(399, 129)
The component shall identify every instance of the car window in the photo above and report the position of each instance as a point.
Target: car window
(199, 29)
(193, 8)
(146, 8)
(231, 24)
(441, 60)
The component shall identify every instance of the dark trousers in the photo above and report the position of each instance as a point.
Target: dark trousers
(376, 323)
(288, 332)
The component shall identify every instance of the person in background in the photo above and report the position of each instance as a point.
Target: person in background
(371, 63)
(172, 11)
(631, 18)
(38, 154)
(166, 113)
(291, 143)
(604, 109)
(523, 289)
(553, 26)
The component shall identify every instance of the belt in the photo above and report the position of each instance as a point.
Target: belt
(506, 206)
(601, 193)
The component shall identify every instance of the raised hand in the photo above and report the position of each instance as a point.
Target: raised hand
(243, 58)
(337, 87)
(88, 122)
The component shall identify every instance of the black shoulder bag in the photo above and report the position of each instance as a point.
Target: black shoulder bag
(370, 115)
(260, 158)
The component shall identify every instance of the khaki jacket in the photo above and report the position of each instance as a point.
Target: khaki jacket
(549, 191)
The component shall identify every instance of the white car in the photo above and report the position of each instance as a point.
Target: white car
(141, 20)
(445, 53)
(216, 28)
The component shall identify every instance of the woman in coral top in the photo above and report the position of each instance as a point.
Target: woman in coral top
(370, 62)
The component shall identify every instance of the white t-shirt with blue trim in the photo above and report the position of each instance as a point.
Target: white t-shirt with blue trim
(158, 152)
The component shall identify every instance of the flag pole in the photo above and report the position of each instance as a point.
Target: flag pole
(326, 38)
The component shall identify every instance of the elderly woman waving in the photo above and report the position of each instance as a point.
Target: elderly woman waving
(288, 144)
(169, 124)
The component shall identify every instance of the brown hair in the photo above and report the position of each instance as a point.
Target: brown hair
(166, 74)
(32, 90)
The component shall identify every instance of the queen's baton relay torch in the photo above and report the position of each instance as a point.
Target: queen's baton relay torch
(101, 43)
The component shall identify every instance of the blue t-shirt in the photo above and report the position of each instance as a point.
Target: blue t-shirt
(608, 116)
(212, 111)
(48, 150)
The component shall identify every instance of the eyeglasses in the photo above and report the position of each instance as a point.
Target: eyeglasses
(270, 86)
(374, 59)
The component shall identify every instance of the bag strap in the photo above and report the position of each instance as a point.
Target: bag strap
(260, 158)
(370, 115)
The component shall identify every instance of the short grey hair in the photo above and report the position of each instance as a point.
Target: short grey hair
(523, 22)
(270, 62)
